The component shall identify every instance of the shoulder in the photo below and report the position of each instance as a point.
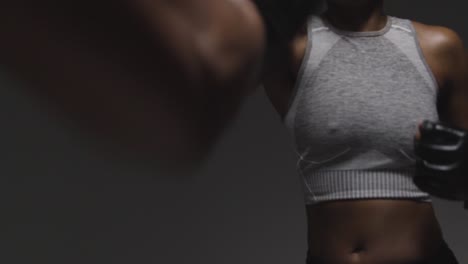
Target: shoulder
(444, 51)
(440, 41)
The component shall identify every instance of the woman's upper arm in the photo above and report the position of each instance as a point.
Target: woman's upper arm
(214, 41)
(445, 52)
(457, 81)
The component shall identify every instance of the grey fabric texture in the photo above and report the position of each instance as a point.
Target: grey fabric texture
(357, 103)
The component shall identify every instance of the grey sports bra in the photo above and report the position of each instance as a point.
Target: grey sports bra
(357, 103)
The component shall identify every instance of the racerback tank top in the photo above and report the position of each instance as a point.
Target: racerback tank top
(358, 100)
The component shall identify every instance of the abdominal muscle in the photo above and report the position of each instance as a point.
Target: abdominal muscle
(372, 231)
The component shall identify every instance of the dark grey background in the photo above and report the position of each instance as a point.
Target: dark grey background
(244, 207)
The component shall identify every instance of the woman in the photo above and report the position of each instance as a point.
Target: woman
(352, 87)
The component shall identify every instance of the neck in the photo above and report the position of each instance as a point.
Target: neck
(356, 15)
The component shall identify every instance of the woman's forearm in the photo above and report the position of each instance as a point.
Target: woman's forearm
(163, 76)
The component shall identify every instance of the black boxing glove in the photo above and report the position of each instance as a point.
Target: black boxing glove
(442, 161)
(283, 18)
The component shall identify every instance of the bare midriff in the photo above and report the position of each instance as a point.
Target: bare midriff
(373, 231)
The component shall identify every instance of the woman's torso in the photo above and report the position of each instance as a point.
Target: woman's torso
(364, 231)
(373, 231)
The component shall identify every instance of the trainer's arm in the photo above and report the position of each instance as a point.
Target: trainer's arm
(158, 76)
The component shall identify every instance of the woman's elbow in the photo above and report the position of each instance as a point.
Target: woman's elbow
(233, 54)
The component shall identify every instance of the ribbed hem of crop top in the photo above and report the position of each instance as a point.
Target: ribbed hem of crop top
(324, 186)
